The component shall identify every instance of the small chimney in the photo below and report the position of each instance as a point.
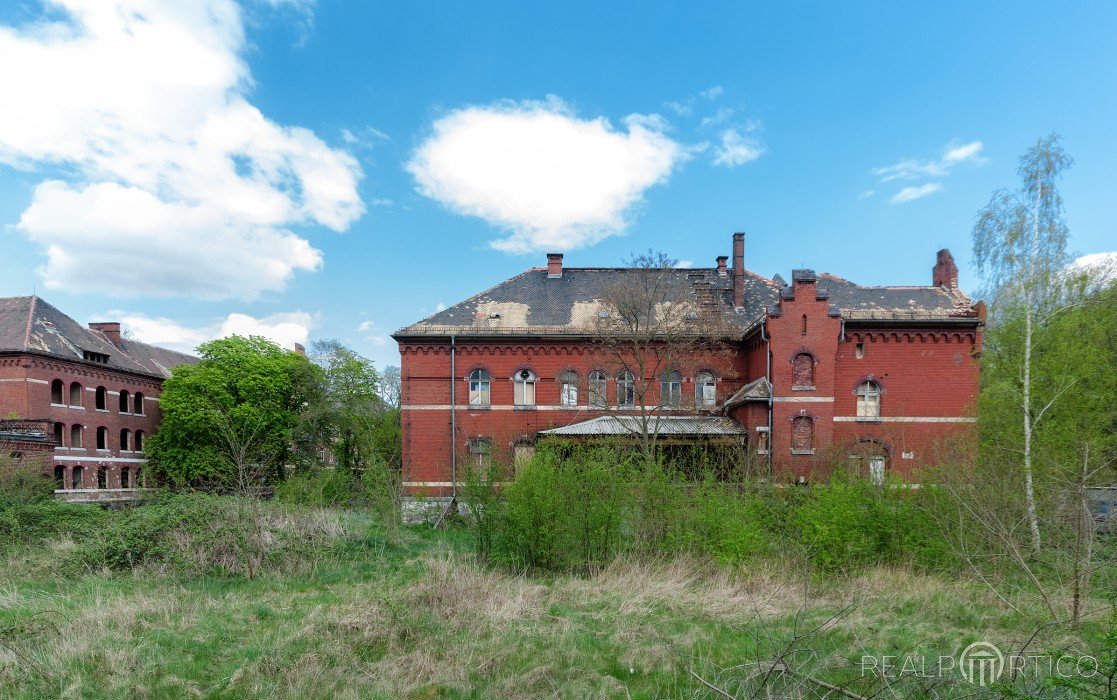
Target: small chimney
(721, 265)
(554, 264)
(111, 330)
(738, 270)
(945, 272)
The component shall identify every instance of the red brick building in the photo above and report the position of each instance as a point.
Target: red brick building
(86, 398)
(816, 368)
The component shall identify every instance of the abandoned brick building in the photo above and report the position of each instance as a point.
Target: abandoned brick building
(82, 400)
(814, 367)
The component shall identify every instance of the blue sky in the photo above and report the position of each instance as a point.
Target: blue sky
(316, 170)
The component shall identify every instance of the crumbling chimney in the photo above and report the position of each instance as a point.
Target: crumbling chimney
(721, 265)
(945, 272)
(738, 270)
(111, 330)
(554, 264)
(300, 349)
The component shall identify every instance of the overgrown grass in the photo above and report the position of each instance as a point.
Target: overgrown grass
(153, 602)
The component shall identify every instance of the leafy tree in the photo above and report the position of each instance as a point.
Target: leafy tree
(228, 419)
(1020, 248)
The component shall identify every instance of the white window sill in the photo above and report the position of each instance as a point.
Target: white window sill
(58, 405)
(868, 419)
(803, 388)
(803, 452)
(75, 408)
(101, 410)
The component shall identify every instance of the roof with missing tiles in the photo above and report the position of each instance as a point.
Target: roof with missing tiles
(29, 324)
(535, 303)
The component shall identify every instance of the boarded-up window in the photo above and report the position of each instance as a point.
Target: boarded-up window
(802, 371)
(480, 452)
(802, 433)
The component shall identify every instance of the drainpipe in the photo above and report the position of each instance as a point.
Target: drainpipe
(453, 422)
(771, 391)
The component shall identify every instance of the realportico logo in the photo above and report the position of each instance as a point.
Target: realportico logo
(981, 663)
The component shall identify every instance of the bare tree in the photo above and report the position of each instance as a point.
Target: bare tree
(652, 329)
(1020, 248)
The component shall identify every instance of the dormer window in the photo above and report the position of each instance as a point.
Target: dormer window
(98, 357)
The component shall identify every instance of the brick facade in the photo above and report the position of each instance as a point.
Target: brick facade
(816, 341)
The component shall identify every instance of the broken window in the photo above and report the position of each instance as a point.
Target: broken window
(125, 434)
(568, 392)
(102, 438)
(59, 432)
(524, 388)
(480, 452)
(762, 440)
(75, 436)
(671, 389)
(705, 389)
(868, 400)
(76, 479)
(124, 478)
(56, 393)
(75, 395)
(125, 404)
(100, 402)
(479, 383)
(802, 371)
(598, 389)
(138, 402)
(626, 390)
(138, 441)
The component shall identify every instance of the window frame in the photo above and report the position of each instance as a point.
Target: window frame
(568, 388)
(626, 388)
(701, 380)
(868, 390)
(598, 385)
(671, 389)
(524, 388)
(482, 395)
(480, 450)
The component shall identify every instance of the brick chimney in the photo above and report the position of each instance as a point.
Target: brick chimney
(945, 272)
(299, 349)
(721, 265)
(738, 270)
(111, 330)
(554, 264)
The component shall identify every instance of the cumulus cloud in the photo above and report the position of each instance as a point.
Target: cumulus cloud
(175, 182)
(910, 194)
(285, 329)
(737, 148)
(549, 179)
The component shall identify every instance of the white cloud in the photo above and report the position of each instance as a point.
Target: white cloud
(953, 154)
(548, 178)
(736, 148)
(866, 194)
(285, 328)
(686, 264)
(1101, 266)
(909, 194)
(713, 93)
(174, 175)
(439, 307)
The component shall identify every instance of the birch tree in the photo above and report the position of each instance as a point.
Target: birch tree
(1020, 250)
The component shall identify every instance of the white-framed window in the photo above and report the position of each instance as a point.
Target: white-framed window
(671, 389)
(705, 390)
(598, 383)
(868, 400)
(568, 388)
(479, 384)
(524, 388)
(626, 389)
(480, 452)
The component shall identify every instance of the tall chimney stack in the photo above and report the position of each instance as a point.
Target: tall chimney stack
(945, 272)
(738, 270)
(110, 329)
(554, 264)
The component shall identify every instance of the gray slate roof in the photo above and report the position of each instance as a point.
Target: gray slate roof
(29, 324)
(668, 425)
(532, 303)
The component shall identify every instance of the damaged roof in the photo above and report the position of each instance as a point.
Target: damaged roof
(667, 425)
(536, 303)
(29, 324)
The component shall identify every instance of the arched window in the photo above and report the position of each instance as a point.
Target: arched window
(56, 389)
(59, 477)
(802, 371)
(524, 383)
(671, 389)
(102, 438)
(138, 482)
(75, 395)
(75, 436)
(598, 383)
(76, 479)
(59, 433)
(102, 478)
(125, 436)
(124, 478)
(480, 452)
(479, 383)
(802, 434)
(868, 400)
(626, 390)
(101, 402)
(138, 441)
(125, 404)
(138, 402)
(568, 388)
(705, 390)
